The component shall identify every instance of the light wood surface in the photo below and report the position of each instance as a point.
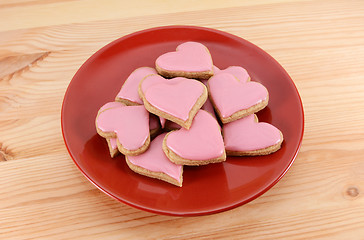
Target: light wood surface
(44, 196)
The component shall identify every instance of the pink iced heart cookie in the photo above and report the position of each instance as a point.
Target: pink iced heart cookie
(201, 144)
(154, 163)
(240, 73)
(154, 129)
(128, 124)
(129, 91)
(177, 99)
(234, 100)
(190, 60)
(248, 137)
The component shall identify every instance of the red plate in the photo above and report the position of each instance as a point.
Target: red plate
(206, 189)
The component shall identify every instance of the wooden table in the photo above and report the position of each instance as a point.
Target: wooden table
(43, 194)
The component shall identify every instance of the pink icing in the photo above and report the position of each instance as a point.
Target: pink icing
(230, 96)
(189, 57)
(111, 105)
(246, 135)
(162, 121)
(129, 90)
(113, 143)
(208, 105)
(150, 81)
(174, 96)
(130, 123)
(216, 69)
(240, 73)
(155, 160)
(203, 141)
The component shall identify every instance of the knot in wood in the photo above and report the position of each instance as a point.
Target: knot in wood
(352, 192)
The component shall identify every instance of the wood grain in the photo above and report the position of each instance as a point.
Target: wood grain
(44, 196)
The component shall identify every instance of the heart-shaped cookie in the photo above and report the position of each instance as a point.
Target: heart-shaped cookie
(154, 163)
(234, 100)
(248, 137)
(129, 91)
(190, 60)
(154, 127)
(177, 99)
(154, 130)
(201, 144)
(129, 124)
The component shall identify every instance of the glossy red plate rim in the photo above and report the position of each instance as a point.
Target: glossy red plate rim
(158, 211)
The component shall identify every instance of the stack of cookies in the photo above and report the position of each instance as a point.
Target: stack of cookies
(164, 118)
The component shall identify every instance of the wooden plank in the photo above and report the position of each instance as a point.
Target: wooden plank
(55, 12)
(47, 196)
